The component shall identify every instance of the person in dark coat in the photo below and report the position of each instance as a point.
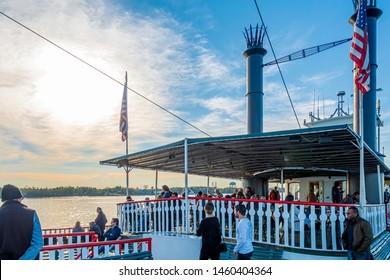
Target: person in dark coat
(94, 227)
(337, 193)
(78, 228)
(114, 231)
(348, 199)
(386, 196)
(210, 230)
(20, 228)
(101, 222)
(357, 236)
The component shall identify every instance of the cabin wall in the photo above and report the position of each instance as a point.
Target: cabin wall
(324, 183)
(374, 189)
(258, 185)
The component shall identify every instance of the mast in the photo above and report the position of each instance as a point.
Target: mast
(365, 115)
(123, 128)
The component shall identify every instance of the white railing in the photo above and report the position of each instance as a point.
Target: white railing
(64, 230)
(57, 240)
(314, 226)
(376, 215)
(95, 250)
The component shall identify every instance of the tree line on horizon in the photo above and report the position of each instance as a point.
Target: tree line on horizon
(34, 192)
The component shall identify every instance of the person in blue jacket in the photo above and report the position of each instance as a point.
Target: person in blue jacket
(113, 233)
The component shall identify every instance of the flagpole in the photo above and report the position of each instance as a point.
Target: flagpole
(123, 128)
(362, 189)
(127, 144)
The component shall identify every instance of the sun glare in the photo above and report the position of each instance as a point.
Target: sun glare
(72, 92)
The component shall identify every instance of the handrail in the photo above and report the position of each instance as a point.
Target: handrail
(295, 224)
(85, 233)
(100, 243)
(63, 230)
(89, 249)
(71, 238)
(236, 200)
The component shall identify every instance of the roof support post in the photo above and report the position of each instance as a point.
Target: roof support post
(281, 182)
(186, 185)
(156, 184)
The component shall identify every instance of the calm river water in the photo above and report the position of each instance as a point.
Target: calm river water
(57, 212)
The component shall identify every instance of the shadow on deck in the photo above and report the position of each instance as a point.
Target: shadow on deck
(259, 253)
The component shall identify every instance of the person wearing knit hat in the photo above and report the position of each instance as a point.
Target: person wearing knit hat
(20, 228)
(10, 192)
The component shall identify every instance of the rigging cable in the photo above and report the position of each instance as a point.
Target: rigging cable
(105, 74)
(280, 71)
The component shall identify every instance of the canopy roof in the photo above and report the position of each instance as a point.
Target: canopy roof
(320, 151)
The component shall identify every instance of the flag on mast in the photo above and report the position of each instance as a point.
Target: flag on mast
(123, 124)
(359, 49)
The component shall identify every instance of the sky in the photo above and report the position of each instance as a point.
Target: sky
(60, 117)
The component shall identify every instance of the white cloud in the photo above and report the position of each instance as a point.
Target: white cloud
(56, 110)
(61, 111)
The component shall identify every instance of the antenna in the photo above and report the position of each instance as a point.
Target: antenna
(318, 106)
(314, 102)
(323, 107)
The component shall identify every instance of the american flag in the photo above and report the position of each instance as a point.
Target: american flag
(123, 124)
(359, 49)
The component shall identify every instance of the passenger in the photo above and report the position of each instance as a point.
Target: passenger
(234, 194)
(356, 197)
(167, 191)
(20, 229)
(244, 234)
(93, 227)
(311, 196)
(145, 219)
(156, 208)
(114, 231)
(174, 194)
(218, 194)
(348, 199)
(274, 194)
(127, 209)
(210, 231)
(386, 196)
(240, 195)
(249, 192)
(289, 197)
(167, 194)
(337, 193)
(101, 221)
(77, 228)
(357, 236)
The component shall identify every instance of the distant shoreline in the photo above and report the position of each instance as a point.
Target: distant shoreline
(33, 192)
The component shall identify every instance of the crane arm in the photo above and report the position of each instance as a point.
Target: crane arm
(307, 52)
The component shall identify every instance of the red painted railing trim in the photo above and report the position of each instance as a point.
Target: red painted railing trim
(240, 200)
(62, 234)
(148, 241)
